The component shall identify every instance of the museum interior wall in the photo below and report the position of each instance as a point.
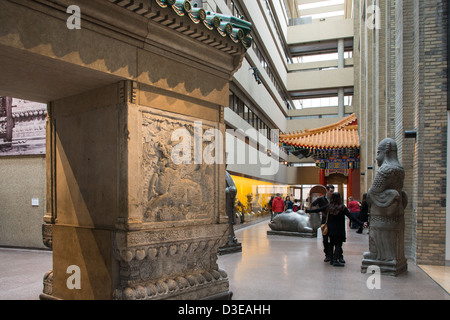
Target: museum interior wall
(401, 72)
(22, 180)
(388, 100)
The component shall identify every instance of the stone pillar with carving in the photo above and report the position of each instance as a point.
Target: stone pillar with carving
(387, 203)
(135, 168)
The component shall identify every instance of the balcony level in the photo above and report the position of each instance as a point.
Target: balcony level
(319, 83)
(323, 32)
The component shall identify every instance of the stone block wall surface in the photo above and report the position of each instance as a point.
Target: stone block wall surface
(404, 65)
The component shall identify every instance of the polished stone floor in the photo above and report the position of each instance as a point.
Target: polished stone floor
(268, 268)
(21, 273)
(291, 268)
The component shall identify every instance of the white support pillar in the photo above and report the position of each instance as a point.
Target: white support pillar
(341, 51)
(341, 64)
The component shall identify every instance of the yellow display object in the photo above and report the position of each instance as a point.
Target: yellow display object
(264, 189)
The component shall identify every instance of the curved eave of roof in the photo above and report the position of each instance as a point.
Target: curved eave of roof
(334, 139)
(340, 135)
(226, 26)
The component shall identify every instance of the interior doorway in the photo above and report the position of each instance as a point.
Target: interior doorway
(341, 181)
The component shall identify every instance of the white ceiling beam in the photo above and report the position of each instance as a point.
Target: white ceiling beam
(321, 10)
(301, 2)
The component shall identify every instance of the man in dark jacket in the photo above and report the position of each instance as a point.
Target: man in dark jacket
(319, 203)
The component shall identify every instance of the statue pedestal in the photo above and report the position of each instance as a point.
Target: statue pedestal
(389, 268)
(294, 224)
(230, 248)
(291, 234)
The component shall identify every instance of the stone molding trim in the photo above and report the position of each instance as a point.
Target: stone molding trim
(157, 27)
(225, 26)
(48, 283)
(47, 235)
(189, 287)
(180, 268)
(128, 91)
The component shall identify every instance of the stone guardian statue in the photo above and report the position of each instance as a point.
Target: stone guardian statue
(232, 245)
(387, 202)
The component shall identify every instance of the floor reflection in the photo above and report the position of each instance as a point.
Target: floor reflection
(290, 268)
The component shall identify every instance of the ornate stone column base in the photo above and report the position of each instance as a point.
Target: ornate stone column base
(176, 264)
(196, 286)
(389, 268)
(291, 234)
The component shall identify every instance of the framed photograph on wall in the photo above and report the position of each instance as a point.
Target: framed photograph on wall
(22, 127)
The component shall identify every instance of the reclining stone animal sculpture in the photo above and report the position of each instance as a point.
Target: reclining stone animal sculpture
(296, 222)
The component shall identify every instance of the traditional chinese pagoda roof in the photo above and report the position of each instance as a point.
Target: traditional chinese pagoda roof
(340, 135)
(224, 26)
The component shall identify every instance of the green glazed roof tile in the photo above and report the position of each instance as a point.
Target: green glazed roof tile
(236, 29)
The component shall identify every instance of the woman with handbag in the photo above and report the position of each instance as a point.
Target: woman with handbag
(335, 224)
(322, 203)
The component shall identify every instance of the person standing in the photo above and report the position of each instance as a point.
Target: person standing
(288, 204)
(364, 212)
(322, 202)
(336, 226)
(337, 212)
(297, 205)
(277, 205)
(270, 207)
(354, 208)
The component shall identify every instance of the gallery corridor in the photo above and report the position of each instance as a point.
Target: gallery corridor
(269, 268)
(289, 268)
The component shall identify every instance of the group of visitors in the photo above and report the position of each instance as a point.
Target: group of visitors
(333, 215)
(359, 211)
(277, 205)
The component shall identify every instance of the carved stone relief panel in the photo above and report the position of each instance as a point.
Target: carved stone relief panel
(176, 191)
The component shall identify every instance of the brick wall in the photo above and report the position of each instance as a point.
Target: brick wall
(408, 77)
(432, 141)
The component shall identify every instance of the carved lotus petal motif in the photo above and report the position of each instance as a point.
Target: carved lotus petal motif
(162, 287)
(173, 250)
(208, 277)
(127, 255)
(162, 251)
(140, 292)
(182, 282)
(184, 247)
(172, 285)
(193, 247)
(129, 294)
(140, 254)
(152, 252)
(151, 290)
(192, 280)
